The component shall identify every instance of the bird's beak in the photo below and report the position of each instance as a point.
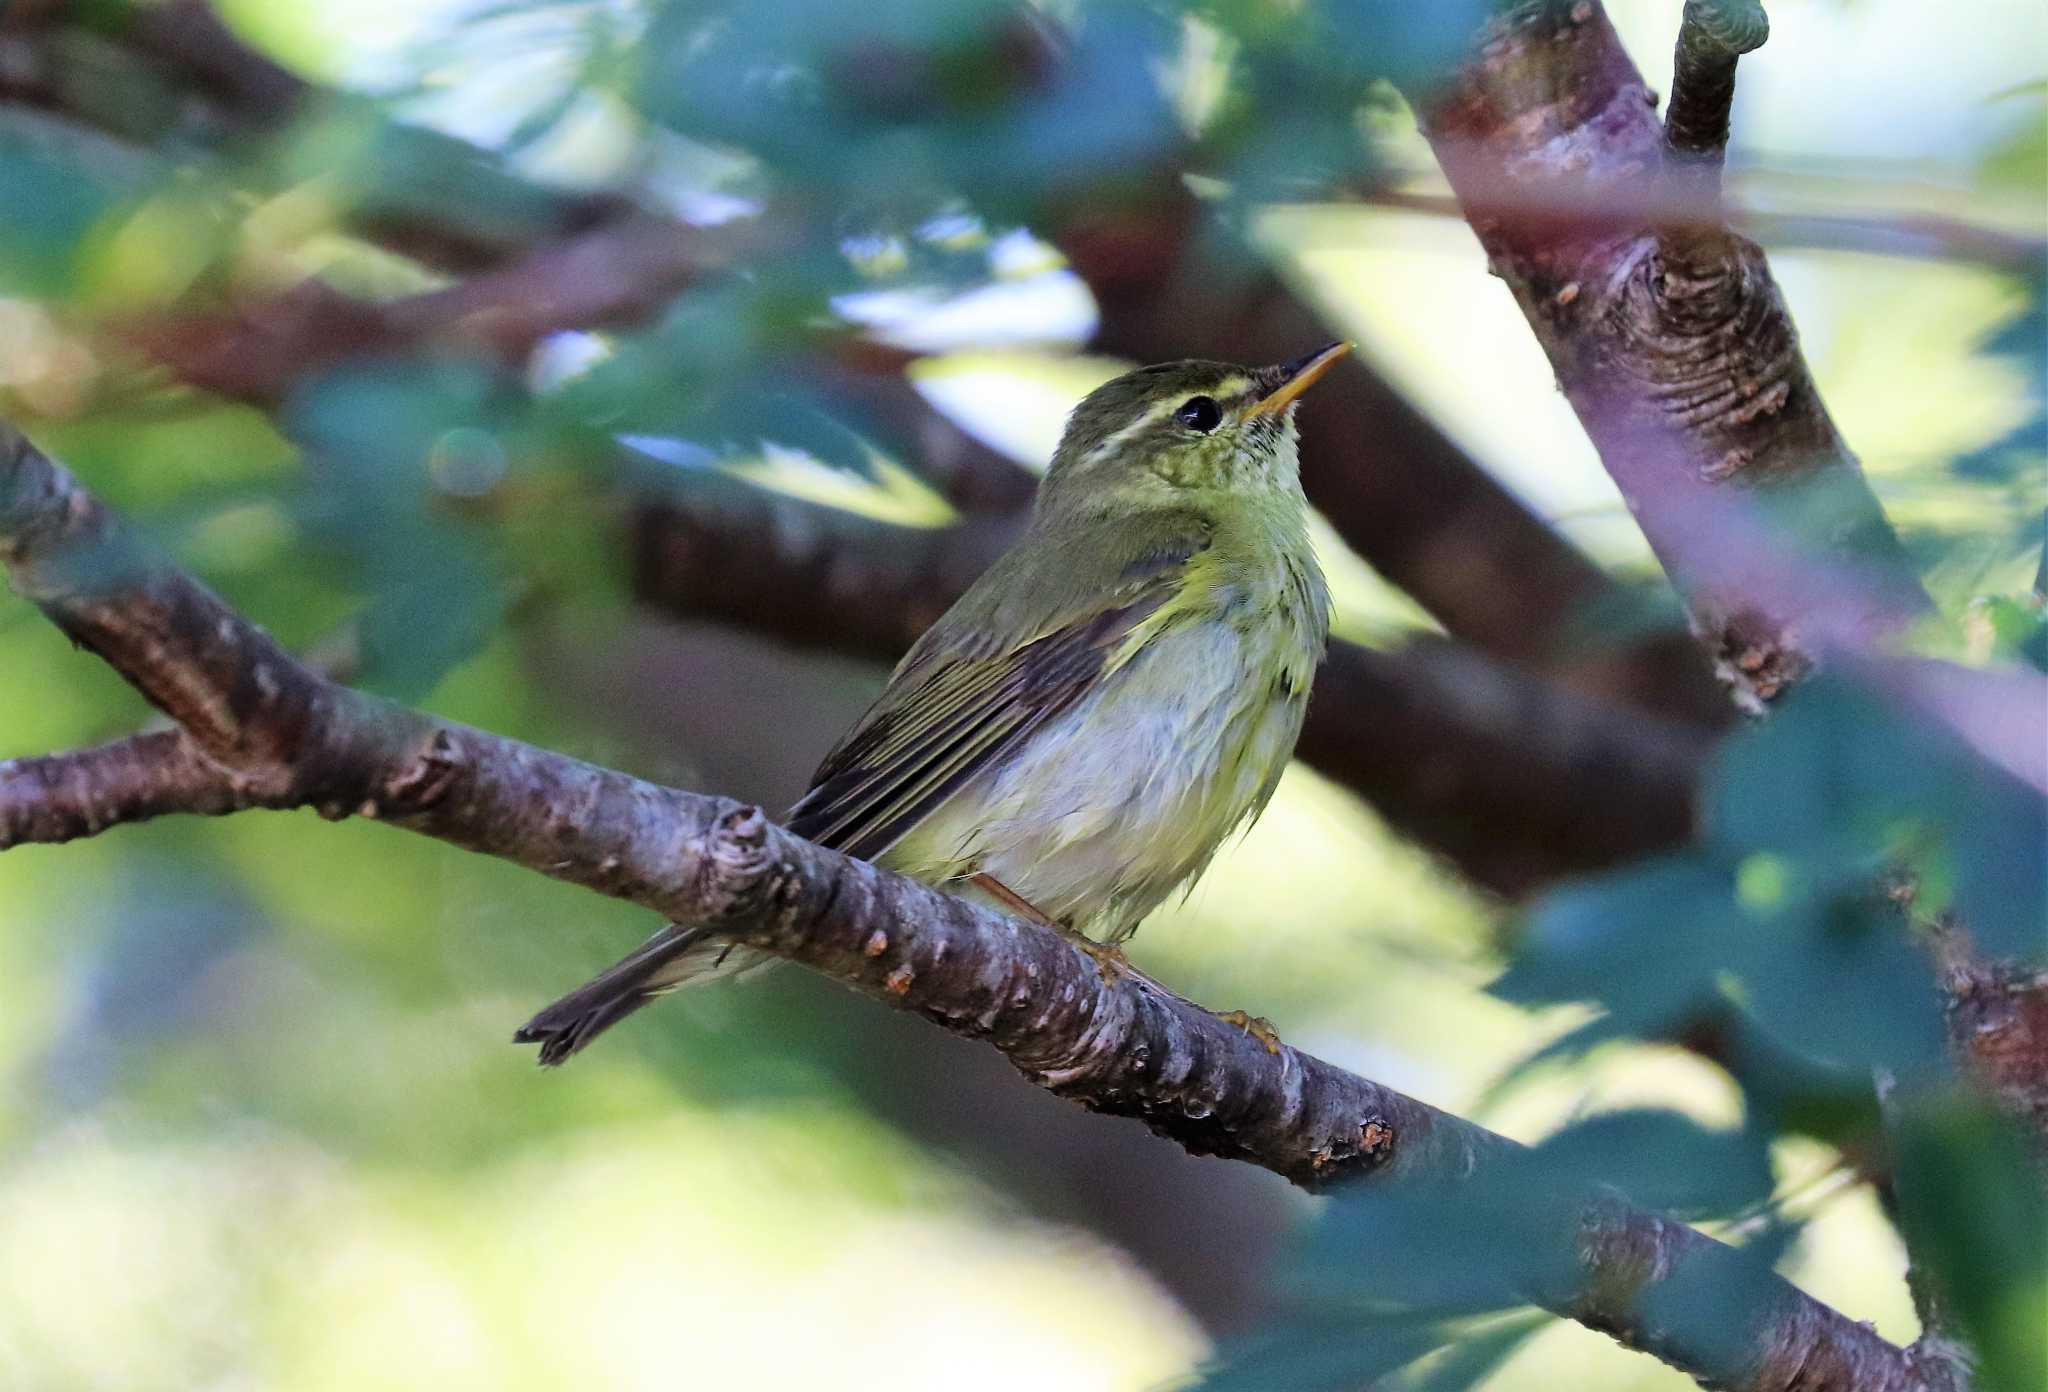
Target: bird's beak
(1297, 377)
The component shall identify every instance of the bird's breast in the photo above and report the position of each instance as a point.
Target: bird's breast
(1125, 796)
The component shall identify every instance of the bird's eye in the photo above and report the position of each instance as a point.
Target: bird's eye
(1200, 413)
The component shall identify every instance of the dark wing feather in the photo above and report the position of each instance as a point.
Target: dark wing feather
(962, 701)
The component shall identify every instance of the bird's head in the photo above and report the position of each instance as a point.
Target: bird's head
(1179, 426)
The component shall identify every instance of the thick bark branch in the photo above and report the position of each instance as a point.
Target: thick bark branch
(1998, 1020)
(1124, 1049)
(1674, 348)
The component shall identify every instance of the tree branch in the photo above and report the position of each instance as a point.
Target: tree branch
(1520, 780)
(802, 572)
(621, 272)
(1998, 1018)
(62, 797)
(1676, 350)
(1123, 1049)
(1674, 347)
(1712, 34)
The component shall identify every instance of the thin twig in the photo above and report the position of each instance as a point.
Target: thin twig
(62, 797)
(1712, 35)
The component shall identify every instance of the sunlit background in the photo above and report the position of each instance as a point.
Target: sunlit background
(263, 1126)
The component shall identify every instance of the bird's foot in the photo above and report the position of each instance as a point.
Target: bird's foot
(1109, 958)
(1012, 900)
(1257, 1026)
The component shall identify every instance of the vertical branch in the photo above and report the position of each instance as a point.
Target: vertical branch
(1712, 35)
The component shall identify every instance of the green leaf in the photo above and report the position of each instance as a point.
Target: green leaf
(1826, 780)
(1841, 787)
(1974, 1213)
(1647, 942)
(1410, 45)
(1467, 1247)
(46, 209)
(392, 448)
(1476, 1357)
(909, 106)
(1665, 1161)
(1837, 978)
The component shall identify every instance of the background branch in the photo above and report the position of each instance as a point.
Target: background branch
(1568, 206)
(1516, 778)
(621, 272)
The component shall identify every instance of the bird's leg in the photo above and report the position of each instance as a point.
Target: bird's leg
(1010, 899)
(1109, 959)
(1257, 1026)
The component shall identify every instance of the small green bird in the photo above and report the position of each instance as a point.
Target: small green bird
(1078, 734)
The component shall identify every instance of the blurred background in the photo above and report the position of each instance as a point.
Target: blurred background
(637, 377)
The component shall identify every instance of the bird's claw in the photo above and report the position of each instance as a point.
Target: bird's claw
(1257, 1026)
(1109, 959)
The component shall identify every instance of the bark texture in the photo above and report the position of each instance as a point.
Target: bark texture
(1672, 343)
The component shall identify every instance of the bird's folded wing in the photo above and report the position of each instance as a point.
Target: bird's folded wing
(964, 699)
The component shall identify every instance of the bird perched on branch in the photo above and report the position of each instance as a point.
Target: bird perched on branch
(1078, 734)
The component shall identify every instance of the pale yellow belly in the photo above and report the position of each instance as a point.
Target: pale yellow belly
(1119, 801)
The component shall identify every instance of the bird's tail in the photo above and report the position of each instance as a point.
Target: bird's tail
(676, 956)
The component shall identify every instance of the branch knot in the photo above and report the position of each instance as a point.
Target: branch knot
(427, 778)
(736, 864)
